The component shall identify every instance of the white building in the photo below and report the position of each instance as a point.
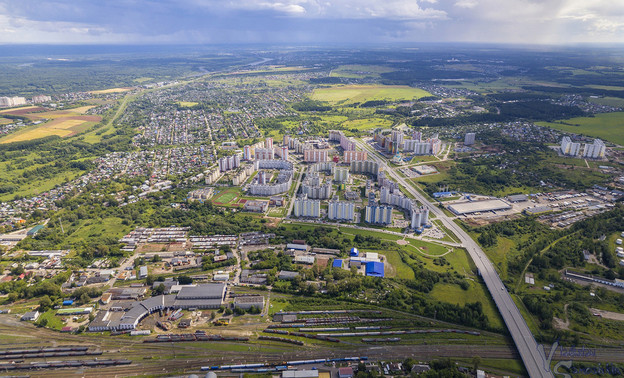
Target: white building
(265, 154)
(570, 148)
(420, 217)
(229, 162)
(247, 154)
(313, 155)
(305, 207)
(341, 210)
(429, 147)
(268, 143)
(315, 187)
(12, 101)
(378, 214)
(341, 174)
(595, 150)
(365, 166)
(469, 139)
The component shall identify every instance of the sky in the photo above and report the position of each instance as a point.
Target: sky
(549, 22)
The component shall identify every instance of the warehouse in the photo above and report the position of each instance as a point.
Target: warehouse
(470, 207)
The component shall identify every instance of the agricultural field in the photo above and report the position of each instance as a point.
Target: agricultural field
(113, 90)
(357, 71)
(608, 101)
(349, 94)
(63, 123)
(607, 126)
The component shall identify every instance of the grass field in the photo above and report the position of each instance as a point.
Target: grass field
(187, 104)
(5, 121)
(226, 196)
(608, 101)
(346, 94)
(608, 126)
(112, 90)
(356, 71)
(367, 123)
(101, 227)
(476, 293)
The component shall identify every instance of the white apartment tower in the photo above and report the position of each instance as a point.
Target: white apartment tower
(469, 139)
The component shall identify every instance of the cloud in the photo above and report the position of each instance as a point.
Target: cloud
(466, 4)
(205, 21)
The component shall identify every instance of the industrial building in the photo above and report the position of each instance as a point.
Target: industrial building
(470, 207)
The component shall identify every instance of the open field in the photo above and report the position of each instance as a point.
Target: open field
(367, 123)
(187, 104)
(608, 101)
(21, 110)
(112, 90)
(607, 126)
(347, 94)
(359, 71)
(226, 196)
(5, 121)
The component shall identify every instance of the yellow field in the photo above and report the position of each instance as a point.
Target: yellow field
(56, 114)
(40, 132)
(5, 121)
(111, 90)
(361, 93)
(20, 108)
(187, 104)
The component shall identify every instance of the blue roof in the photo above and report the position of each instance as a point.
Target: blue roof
(354, 252)
(337, 263)
(375, 269)
(68, 302)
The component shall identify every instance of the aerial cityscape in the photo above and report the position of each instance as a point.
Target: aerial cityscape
(278, 204)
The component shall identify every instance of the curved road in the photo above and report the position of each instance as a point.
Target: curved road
(533, 359)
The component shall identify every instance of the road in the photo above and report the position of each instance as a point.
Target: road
(533, 359)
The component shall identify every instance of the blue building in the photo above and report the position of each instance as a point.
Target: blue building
(337, 263)
(374, 269)
(354, 252)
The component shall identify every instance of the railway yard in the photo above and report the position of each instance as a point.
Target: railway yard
(310, 338)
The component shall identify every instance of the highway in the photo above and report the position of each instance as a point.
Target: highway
(533, 359)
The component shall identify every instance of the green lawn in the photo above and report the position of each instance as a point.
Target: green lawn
(362, 93)
(54, 321)
(367, 123)
(608, 126)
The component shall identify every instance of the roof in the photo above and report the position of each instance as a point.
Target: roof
(375, 269)
(518, 197)
(354, 252)
(301, 247)
(337, 263)
(205, 291)
(249, 299)
(477, 206)
(300, 374)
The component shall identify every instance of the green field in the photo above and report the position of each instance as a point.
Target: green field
(348, 94)
(356, 71)
(91, 228)
(608, 126)
(476, 293)
(608, 101)
(367, 123)
(226, 196)
(187, 104)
